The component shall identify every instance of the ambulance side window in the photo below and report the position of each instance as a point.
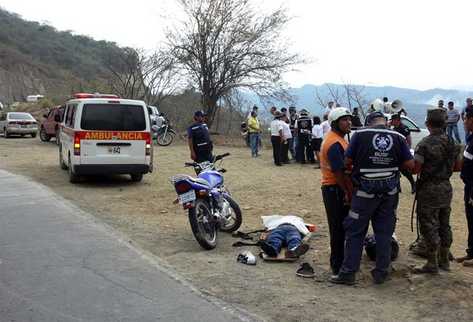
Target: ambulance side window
(73, 114)
(67, 114)
(70, 113)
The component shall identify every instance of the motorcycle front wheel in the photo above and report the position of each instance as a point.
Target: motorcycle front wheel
(203, 225)
(166, 138)
(233, 217)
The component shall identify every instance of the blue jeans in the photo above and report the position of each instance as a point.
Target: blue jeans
(452, 129)
(254, 140)
(381, 210)
(284, 235)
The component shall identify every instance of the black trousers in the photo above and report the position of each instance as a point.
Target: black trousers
(277, 149)
(336, 210)
(469, 216)
(204, 155)
(285, 152)
(409, 177)
(304, 149)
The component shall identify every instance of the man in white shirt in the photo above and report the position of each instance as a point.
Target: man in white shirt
(277, 138)
(287, 138)
(325, 125)
(329, 107)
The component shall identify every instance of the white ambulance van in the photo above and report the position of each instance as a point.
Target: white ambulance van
(102, 134)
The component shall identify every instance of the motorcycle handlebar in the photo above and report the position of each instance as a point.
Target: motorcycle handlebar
(189, 164)
(221, 156)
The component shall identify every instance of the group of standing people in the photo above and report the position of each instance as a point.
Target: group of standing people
(361, 183)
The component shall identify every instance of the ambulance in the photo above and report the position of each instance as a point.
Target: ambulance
(103, 134)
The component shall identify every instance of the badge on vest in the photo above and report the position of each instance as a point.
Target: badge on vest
(382, 142)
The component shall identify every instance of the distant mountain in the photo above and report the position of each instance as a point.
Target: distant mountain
(305, 96)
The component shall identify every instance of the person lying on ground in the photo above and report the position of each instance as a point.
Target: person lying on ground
(284, 231)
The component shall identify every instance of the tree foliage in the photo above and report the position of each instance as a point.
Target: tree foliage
(226, 45)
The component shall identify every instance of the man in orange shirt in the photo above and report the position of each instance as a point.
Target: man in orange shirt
(336, 185)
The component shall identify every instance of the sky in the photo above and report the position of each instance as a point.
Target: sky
(407, 43)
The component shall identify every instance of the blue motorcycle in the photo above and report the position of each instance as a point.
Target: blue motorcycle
(210, 205)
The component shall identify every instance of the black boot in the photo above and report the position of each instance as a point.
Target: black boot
(343, 278)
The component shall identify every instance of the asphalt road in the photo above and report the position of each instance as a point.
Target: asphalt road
(58, 264)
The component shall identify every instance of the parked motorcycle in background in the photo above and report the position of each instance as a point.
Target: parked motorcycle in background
(162, 131)
(209, 204)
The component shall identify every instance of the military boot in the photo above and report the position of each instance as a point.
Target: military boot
(431, 267)
(443, 260)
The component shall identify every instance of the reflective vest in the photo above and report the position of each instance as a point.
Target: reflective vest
(304, 126)
(328, 178)
(201, 138)
(376, 161)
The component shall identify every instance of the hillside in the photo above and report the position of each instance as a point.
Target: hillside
(37, 59)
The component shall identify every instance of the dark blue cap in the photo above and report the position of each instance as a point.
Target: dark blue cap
(199, 113)
(373, 116)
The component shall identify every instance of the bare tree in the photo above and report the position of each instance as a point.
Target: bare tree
(138, 76)
(224, 45)
(347, 95)
(334, 95)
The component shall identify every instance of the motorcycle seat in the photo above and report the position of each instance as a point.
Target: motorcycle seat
(200, 181)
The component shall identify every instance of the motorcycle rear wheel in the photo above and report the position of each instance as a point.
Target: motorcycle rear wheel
(165, 139)
(202, 224)
(235, 216)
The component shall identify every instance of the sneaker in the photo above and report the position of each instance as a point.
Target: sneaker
(268, 249)
(305, 270)
(347, 279)
(298, 251)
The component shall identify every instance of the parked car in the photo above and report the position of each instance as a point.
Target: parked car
(50, 127)
(153, 114)
(417, 133)
(18, 123)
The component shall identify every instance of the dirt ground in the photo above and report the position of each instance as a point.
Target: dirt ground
(146, 214)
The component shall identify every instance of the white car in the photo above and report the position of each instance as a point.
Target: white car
(417, 133)
(18, 123)
(105, 134)
(153, 114)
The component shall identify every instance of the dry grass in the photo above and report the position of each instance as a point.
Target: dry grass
(145, 213)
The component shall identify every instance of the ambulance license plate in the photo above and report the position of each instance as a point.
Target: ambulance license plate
(187, 197)
(114, 150)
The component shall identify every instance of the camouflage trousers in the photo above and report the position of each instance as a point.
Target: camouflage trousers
(435, 227)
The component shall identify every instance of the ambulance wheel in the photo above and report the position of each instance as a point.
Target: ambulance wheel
(73, 178)
(136, 177)
(33, 135)
(58, 137)
(62, 164)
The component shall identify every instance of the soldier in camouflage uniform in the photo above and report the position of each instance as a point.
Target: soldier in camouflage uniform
(435, 158)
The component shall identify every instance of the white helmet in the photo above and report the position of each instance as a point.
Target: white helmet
(338, 113)
(376, 105)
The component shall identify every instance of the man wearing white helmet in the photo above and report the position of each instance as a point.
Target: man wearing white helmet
(376, 154)
(336, 186)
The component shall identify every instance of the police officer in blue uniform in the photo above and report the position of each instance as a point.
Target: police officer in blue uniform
(199, 141)
(376, 155)
(467, 177)
(303, 129)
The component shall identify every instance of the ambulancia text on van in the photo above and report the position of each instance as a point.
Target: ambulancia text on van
(102, 134)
